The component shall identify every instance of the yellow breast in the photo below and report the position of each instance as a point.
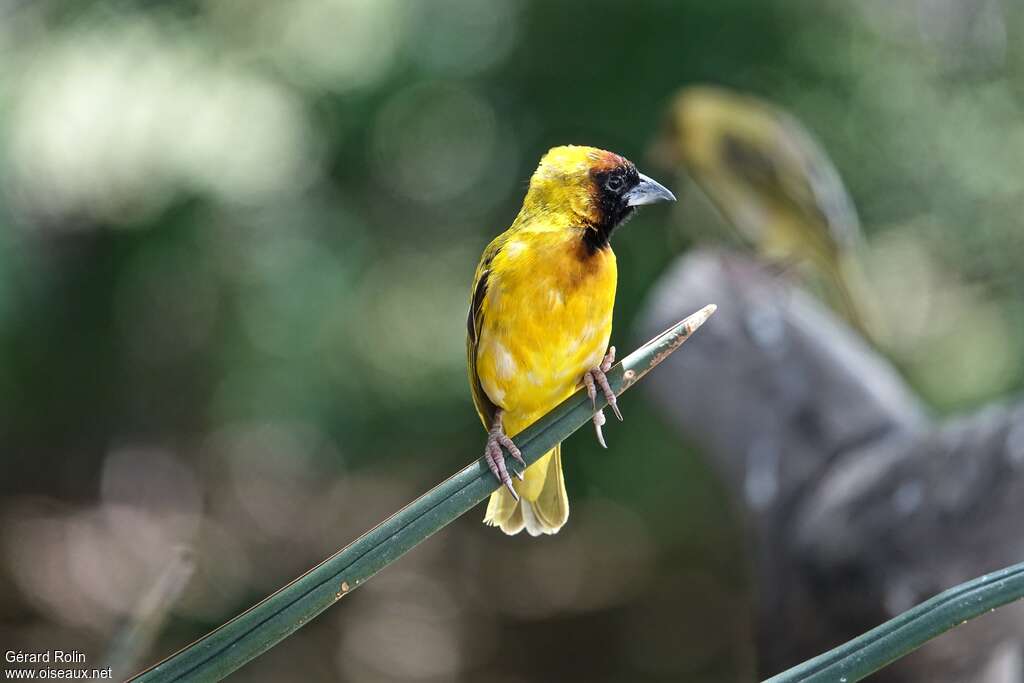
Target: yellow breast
(547, 318)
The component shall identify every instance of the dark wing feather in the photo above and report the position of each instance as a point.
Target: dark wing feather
(474, 322)
(790, 166)
(823, 180)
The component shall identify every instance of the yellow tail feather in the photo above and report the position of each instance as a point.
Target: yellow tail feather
(852, 293)
(839, 277)
(543, 506)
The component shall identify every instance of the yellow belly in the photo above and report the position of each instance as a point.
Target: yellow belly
(547, 319)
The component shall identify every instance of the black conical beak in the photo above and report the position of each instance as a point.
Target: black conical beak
(648, 191)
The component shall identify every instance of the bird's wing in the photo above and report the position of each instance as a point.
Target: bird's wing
(791, 166)
(474, 323)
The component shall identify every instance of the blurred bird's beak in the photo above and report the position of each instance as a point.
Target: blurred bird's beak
(648, 191)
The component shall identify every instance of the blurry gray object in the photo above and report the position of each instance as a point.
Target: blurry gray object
(856, 503)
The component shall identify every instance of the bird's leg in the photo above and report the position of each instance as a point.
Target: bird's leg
(595, 378)
(496, 438)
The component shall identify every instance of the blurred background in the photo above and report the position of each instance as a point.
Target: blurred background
(236, 244)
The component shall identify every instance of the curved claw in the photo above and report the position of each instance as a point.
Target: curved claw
(588, 380)
(497, 438)
(513, 450)
(599, 422)
(606, 388)
(606, 365)
(595, 378)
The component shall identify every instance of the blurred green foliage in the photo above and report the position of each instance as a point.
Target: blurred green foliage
(218, 217)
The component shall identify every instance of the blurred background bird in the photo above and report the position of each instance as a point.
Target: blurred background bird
(540, 318)
(773, 182)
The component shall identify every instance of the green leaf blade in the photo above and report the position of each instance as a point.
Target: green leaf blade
(903, 634)
(267, 623)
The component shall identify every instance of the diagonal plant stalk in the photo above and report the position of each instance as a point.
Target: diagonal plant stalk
(264, 625)
(903, 634)
(137, 635)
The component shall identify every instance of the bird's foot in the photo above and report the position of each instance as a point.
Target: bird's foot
(496, 438)
(595, 378)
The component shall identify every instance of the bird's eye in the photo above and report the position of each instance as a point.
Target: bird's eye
(614, 183)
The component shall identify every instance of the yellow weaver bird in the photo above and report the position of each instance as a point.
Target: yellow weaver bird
(540, 317)
(771, 180)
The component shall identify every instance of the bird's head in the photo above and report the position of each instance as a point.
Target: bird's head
(691, 124)
(697, 119)
(590, 188)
